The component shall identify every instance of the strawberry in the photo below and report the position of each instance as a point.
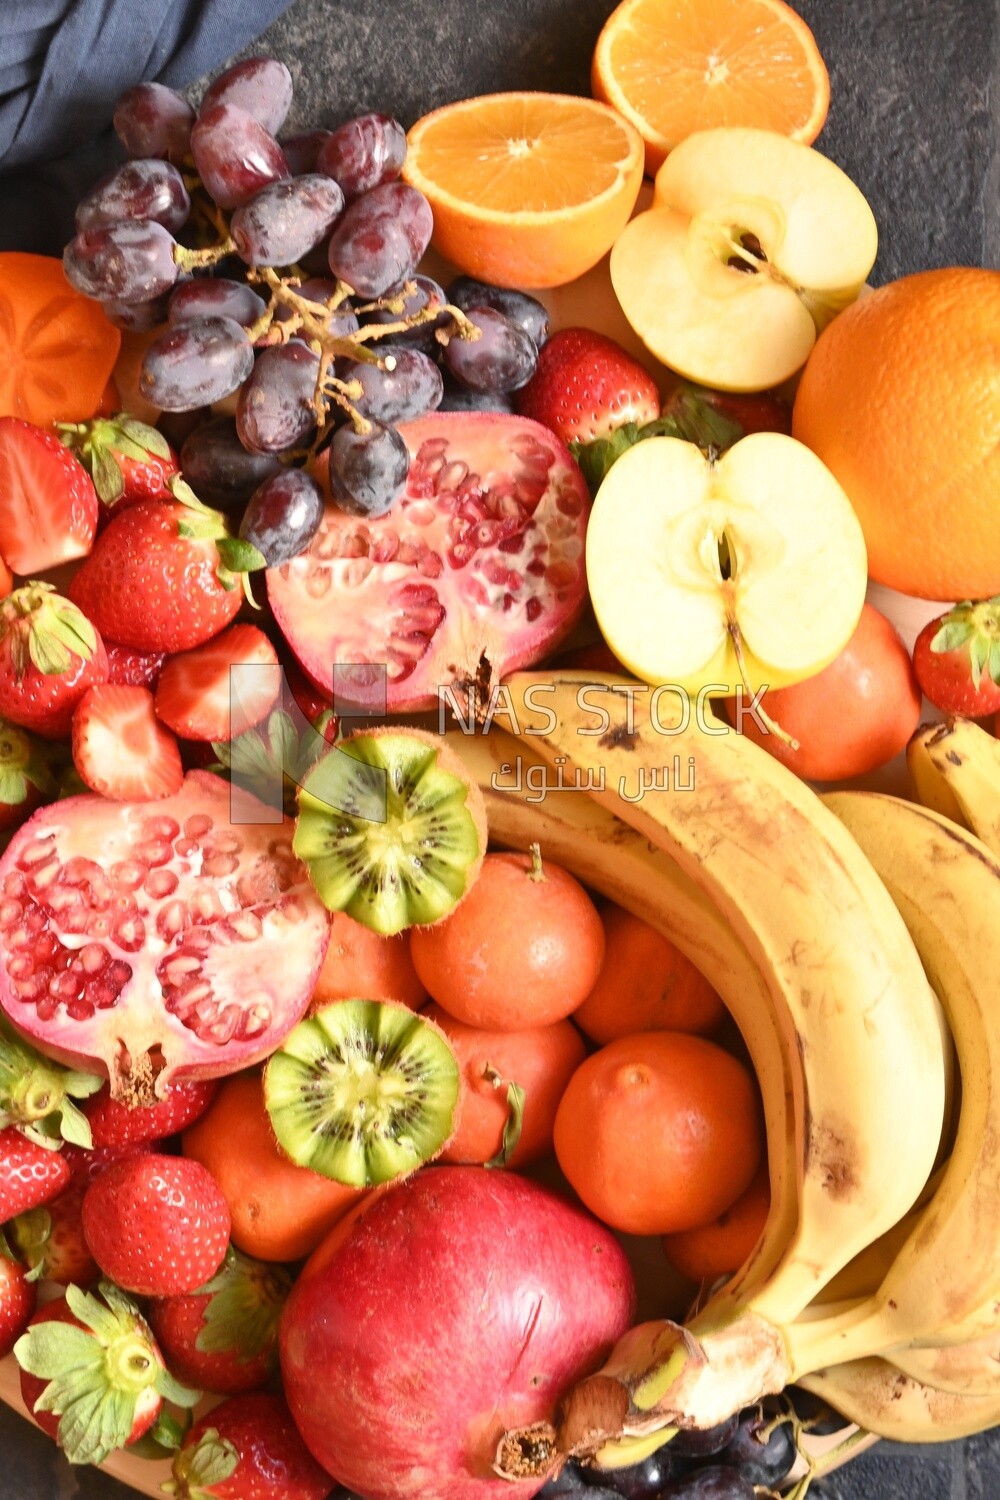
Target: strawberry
(26, 779)
(50, 654)
(113, 1123)
(223, 1338)
(48, 503)
(30, 1174)
(92, 1375)
(247, 1448)
(121, 749)
(17, 1299)
(157, 1225)
(198, 695)
(127, 459)
(163, 576)
(957, 659)
(130, 668)
(50, 1239)
(586, 385)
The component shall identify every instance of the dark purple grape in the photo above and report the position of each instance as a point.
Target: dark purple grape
(766, 1462)
(503, 358)
(570, 1481)
(218, 467)
(137, 317)
(262, 86)
(177, 426)
(410, 389)
(363, 153)
(703, 1442)
(368, 470)
(195, 364)
(818, 1417)
(641, 1481)
(130, 262)
(302, 151)
(285, 220)
(215, 297)
(152, 120)
(713, 1482)
(234, 154)
(146, 189)
(274, 410)
(466, 292)
(380, 238)
(426, 292)
(459, 397)
(283, 516)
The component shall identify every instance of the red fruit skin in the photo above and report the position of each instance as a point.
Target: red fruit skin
(177, 1322)
(157, 1225)
(945, 678)
(45, 703)
(146, 586)
(146, 480)
(17, 1303)
(585, 385)
(32, 1386)
(756, 411)
(30, 1175)
(130, 668)
(274, 1462)
(114, 1123)
(511, 1296)
(48, 503)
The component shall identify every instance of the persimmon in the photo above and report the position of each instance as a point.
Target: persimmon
(523, 948)
(719, 1248)
(645, 984)
(851, 718)
(59, 348)
(279, 1211)
(513, 1083)
(659, 1132)
(362, 963)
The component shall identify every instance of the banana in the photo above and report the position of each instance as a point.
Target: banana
(955, 768)
(943, 1285)
(884, 1400)
(844, 988)
(970, 1369)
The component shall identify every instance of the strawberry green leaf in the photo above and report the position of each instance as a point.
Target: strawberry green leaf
(171, 1389)
(182, 492)
(952, 635)
(48, 1348)
(513, 1122)
(147, 439)
(210, 1461)
(239, 556)
(245, 1301)
(107, 476)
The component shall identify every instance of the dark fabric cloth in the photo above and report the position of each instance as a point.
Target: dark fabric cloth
(63, 66)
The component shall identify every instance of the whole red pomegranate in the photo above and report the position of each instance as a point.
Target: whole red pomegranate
(458, 1304)
(157, 938)
(476, 571)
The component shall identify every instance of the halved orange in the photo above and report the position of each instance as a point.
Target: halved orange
(672, 67)
(528, 189)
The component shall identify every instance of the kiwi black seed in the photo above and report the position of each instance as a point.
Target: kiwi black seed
(392, 829)
(364, 1091)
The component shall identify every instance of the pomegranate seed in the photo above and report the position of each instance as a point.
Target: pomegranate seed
(197, 825)
(171, 919)
(173, 971)
(184, 848)
(118, 975)
(35, 985)
(130, 934)
(42, 875)
(14, 884)
(80, 1010)
(220, 1029)
(205, 905)
(188, 996)
(258, 884)
(100, 924)
(100, 995)
(20, 937)
(85, 872)
(10, 912)
(218, 865)
(127, 874)
(256, 1018)
(20, 965)
(36, 852)
(155, 851)
(533, 608)
(66, 986)
(77, 919)
(92, 959)
(318, 583)
(227, 843)
(160, 883)
(246, 926)
(47, 1008)
(160, 828)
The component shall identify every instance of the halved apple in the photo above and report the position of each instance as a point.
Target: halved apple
(752, 244)
(743, 571)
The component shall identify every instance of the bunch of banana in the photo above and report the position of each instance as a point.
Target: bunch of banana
(763, 888)
(955, 768)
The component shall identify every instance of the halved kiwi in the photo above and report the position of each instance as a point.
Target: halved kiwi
(364, 1091)
(392, 828)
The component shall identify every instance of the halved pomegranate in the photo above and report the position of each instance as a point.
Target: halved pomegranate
(476, 571)
(157, 941)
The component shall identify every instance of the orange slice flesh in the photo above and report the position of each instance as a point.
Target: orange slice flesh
(527, 189)
(672, 67)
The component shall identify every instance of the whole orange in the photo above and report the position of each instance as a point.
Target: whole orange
(851, 718)
(659, 1132)
(900, 398)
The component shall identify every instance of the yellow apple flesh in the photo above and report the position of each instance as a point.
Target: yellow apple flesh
(746, 570)
(752, 244)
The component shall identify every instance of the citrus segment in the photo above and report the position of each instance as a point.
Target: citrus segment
(528, 189)
(672, 67)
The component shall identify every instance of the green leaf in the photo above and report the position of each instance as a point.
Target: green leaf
(107, 1322)
(979, 655)
(13, 786)
(210, 1461)
(514, 1121)
(82, 1085)
(185, 495)
(245, 1298)
(148, 439)
(239, 556)
(108, 480)
(171, 1389)
(952, 634)
(48, 1348)
(163, 1438)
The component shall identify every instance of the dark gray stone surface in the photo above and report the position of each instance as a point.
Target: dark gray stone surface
(915, 85)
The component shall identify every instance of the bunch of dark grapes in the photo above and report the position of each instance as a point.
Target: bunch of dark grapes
(285, 271)
(752, 1452)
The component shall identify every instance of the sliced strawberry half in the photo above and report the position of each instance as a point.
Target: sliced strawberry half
(200, 697)
(121, 749)
(48, 503)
